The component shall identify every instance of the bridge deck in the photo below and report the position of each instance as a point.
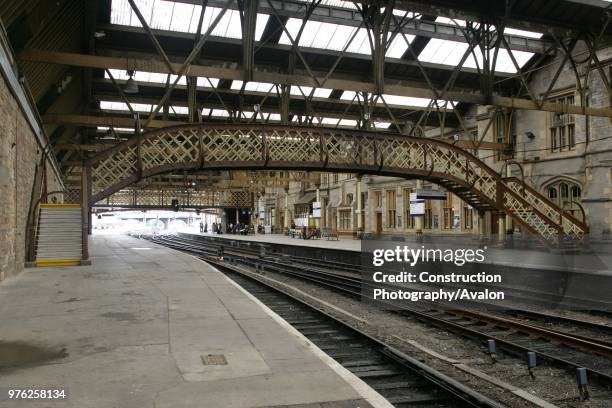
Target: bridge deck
(134, 327)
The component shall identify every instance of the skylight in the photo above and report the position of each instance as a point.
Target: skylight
(335, 3)
(318, 93)
(220, 113)
(182, 17)
(264, 87)
(507, 30)
(117, 129)
(382, 125)
(339, 122)
(325, 121)
(335, 37)
(410, 101)
(121, 106)
(139, 107)
(450, 53)
(399, 100)
(158, 78)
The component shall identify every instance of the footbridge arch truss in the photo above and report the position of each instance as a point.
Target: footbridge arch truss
(214, 147)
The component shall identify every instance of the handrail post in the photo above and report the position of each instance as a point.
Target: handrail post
(85, 215)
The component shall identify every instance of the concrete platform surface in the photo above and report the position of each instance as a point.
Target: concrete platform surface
(596, 260)
(135, 327)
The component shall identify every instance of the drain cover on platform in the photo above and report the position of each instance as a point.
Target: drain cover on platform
(214, 359)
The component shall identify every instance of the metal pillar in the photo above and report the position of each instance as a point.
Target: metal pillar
(85, 214)
(509, 227)
(359, 205)
(286, 226)
(481, 227)
(418, 221)
(318, 199)
(501, 228)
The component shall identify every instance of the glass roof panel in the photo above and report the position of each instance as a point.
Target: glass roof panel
(507, 30)
(398, 46)
(117, 129)
(182, 17)
(139, 107)
(407, 101)
(382, 125)
(348, 95)
(161, 15)
(516, 31)
(158, 78)
(335, 37)
(215, 112)
(203, 82)
(451, 52)
(396, 100)
(338, 122)
(253, 86)
(334, 3)
(318, 93)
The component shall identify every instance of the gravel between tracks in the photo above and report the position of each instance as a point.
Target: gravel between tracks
(552, 384)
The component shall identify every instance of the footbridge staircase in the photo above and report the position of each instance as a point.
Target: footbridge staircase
(223, 147)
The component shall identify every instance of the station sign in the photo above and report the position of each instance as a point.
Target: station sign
(417, 206)
(316, 209)
(431, 194)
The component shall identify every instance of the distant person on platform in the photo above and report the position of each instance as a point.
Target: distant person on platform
(201, 227)
(314, 233)
(206, 228)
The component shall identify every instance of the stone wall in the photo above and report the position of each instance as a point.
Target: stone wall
(19, 154)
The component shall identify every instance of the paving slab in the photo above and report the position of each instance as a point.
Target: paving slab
(147, 326)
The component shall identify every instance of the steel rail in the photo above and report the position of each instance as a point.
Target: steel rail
(352, 288)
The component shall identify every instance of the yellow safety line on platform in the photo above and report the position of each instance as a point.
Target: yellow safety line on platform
(60, 206)
(58, 262)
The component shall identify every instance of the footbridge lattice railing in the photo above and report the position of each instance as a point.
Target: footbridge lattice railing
(256, 147)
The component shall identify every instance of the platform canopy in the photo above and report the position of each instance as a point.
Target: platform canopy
(403, 66)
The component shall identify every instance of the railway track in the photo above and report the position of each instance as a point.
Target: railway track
(552, 337)
(402, 380)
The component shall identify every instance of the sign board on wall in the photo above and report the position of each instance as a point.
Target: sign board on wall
(417, 206)
(316, 209)
(262, 215)
(430, 194)
(301, 222)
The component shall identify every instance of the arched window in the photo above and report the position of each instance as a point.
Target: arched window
(565, 194)
(564, 190)
(576, 193)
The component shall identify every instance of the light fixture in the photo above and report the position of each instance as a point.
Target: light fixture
(131, 87)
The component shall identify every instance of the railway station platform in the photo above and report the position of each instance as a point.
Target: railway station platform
(147, 326)
(596, 260)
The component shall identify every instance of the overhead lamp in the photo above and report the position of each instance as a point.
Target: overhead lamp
(131, 87)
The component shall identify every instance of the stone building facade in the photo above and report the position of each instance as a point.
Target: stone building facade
(567, 158)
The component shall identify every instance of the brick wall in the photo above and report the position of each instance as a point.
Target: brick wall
(19, 153)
